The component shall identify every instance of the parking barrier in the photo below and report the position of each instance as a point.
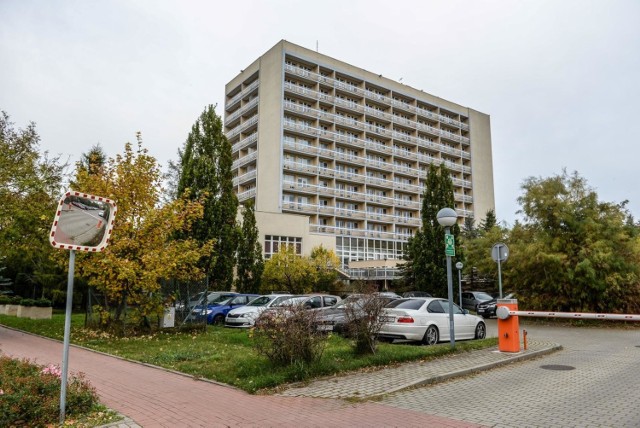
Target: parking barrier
(508, 313)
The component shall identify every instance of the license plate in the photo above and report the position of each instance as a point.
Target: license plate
(386, 318)
(325, 327)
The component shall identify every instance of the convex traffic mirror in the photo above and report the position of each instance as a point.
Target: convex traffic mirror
(83, 222)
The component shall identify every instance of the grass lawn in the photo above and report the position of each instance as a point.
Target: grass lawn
(226, 355)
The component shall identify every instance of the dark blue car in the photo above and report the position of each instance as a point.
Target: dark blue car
(216, 312)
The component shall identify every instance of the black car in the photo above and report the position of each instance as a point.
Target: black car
(488, 309)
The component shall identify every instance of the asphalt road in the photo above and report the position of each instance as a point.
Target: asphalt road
(599, 386)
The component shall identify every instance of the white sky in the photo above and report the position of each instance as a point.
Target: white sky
(560, 79)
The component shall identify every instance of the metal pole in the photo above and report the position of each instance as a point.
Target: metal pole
(452, 332)
(67, 334)
(460, 287)
(499, 274)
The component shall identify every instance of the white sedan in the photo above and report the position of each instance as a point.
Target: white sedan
(427, 320)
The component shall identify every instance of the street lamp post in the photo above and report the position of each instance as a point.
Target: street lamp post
(459, 266)
(447, 217)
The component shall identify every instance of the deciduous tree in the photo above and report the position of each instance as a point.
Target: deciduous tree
(30, 183)
(573, 252)
(142, 248)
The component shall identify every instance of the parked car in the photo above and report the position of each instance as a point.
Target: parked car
(471, 299)
(317, 302)
(336, 318)
(212, 297)
(488, 309)
(245, 316)
(217, 311)
(426, 319)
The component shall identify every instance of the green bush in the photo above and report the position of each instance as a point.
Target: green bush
(4, 300)
(15, 300)
(42, 303)
(30, 394)
(27, 302)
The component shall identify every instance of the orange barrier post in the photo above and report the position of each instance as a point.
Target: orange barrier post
(508, 327)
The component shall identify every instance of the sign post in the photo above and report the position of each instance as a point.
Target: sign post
(82, 223)
(499, 254)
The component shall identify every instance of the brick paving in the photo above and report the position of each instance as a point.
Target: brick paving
(152, 397)
(369, 384)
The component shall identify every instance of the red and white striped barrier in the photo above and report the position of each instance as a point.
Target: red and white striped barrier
(573, 315)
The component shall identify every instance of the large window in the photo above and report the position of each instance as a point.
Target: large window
(272, 244)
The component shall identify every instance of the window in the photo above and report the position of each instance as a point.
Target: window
(272, 244)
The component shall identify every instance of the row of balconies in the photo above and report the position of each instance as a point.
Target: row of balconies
(358, 196)
(329, 116)
(319, 228)
(374, 96)
(364, 161)
(360, 143)
(350, 214)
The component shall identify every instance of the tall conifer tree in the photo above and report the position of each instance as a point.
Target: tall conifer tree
(250, 262)
(205, 173)
(425, 267)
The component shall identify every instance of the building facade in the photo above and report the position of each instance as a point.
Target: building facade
(337, 156)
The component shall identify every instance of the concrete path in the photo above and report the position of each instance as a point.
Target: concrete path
(152, 397)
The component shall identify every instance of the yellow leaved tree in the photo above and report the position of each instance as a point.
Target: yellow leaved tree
(143, 247)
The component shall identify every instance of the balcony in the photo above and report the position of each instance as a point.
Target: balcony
(242, 127)
(251, 157)
(251, 175)
(379, 114)
(246, 91)
(247, 194)
(243, 144)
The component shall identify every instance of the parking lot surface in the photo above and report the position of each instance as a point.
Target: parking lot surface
(592, 382)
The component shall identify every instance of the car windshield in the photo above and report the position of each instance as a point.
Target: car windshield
(291, 301)
(280, 299)
(351, 300)
(406, 304)
(260, 301)
(483, 296)
(223, 301)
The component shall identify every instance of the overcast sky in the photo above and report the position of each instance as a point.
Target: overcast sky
(560, 79)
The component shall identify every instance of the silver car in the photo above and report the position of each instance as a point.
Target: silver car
(427, 320)
(246, 316)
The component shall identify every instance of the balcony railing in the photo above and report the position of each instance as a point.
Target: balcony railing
(244, 160)
(244, 143)
(242, 94)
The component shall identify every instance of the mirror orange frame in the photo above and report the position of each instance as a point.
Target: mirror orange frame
(83, 222)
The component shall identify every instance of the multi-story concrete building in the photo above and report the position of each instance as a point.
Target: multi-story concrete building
(337, 156)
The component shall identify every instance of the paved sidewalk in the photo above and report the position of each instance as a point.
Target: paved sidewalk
(154, 397)
(370, 384)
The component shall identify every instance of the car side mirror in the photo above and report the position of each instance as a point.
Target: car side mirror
(465, 311)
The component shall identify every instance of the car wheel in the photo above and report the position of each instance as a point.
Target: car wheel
(481, 331)
(431, 336)
(218, 319)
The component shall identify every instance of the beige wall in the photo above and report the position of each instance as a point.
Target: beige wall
(269, 165)
(481, 164)
(292, 225)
